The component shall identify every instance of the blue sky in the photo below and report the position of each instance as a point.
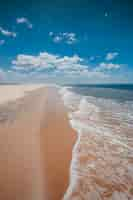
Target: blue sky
(69, 41)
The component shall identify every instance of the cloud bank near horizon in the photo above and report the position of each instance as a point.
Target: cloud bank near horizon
(54, 67)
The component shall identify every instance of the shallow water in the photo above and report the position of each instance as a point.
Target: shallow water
(102, 161)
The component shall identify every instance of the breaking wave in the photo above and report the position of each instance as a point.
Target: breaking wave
(102, 158)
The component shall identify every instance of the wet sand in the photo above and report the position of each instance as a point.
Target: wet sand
(57, 140)
(36, 144)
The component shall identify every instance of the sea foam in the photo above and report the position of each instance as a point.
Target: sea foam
(102, 158)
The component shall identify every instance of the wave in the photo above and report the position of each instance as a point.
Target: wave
(102, 158)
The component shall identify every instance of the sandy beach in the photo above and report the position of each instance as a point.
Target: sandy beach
(36, 144)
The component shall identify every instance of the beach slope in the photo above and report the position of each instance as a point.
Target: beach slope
(57, 141)
(36, 144)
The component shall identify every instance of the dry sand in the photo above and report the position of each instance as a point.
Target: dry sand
(36, 144)
(13, 92)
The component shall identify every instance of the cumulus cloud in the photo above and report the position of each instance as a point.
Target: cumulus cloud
(7, 33)
(51, 33)
(51, 65)
(70, 38)
(23, 20)
(55, 68)
(47, 61)
(107, 66)
(111, 56)
(57, 39)
(66, 37)
(43, 60)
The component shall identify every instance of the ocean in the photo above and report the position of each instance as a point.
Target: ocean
(102, 158)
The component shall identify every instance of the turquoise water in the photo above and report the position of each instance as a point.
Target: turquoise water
(102, 158)
(123, 92)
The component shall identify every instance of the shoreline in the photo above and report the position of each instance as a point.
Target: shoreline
(42, 157)
(57, 143)
(38, 141)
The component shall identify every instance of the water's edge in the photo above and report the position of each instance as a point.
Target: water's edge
(98, 148)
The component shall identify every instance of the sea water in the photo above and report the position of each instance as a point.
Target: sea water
(102, 158)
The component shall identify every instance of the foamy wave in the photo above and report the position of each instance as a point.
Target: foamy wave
(102, 158)
(71, 100)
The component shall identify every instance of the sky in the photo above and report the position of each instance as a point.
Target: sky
(66, 41)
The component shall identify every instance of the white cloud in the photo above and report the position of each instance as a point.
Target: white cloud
(45, 60)
(2, 42)
(66, 37)
(111, 56)
(46, 65)
(7, 33)
(57, 39)
(61, 69)
(23, 20)
(70, 38)
(107, 66)
(50, 67)
(51, 33)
